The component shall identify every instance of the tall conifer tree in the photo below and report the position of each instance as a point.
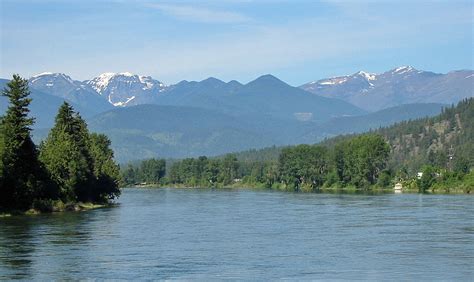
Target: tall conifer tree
(23, 177)
(66, 156)
(106, 171)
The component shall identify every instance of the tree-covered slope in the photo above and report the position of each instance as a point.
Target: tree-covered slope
(147, 131)
(414, 143)
(446, 140)
(375, 120)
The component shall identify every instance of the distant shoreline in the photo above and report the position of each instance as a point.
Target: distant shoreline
(438, 191)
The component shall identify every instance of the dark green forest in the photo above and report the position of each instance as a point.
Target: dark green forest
(71, 165)
(441, 148)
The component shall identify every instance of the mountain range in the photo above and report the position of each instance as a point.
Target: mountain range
(402, 85)
(146, 118)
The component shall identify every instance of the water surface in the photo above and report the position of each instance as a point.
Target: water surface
(245, 234)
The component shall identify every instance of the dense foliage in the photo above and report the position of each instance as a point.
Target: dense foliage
(70, 165)
(149, 171)
(357, 162)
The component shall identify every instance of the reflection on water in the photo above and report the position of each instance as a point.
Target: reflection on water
(31, 242)
(245, 234)
(16, 247)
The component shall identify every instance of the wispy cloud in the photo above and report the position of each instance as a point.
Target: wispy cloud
(199, 14)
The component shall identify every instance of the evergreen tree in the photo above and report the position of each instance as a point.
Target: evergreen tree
(66, 156)
(106, 171)
(24, 178)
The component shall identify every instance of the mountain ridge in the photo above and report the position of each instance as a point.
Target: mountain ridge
(366, 90)
(401, 85)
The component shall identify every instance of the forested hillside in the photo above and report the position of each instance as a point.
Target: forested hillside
(445, 141)
(414, 143)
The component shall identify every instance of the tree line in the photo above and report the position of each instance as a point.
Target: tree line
(71, 165)
(358, 162)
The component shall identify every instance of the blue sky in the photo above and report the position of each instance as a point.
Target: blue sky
(298, 41)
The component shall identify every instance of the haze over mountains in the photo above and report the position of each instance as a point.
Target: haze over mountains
(146, 118)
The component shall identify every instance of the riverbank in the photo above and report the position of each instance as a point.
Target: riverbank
(457, 189)
(54, 207)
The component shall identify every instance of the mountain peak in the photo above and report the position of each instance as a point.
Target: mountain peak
(42, 74)
(234, 83)
(50, 76)
(212, 81)
(103, 80)
(403, 69)
(267, 79)
(125, 88)
(366, 75)
(126, 73)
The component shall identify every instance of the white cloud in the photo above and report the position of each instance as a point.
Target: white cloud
(200, 14)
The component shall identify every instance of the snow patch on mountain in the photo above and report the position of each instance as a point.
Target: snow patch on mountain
(50, 77)
(331, 81)
(403, 69)
(367, 76)
(42, 74)
(101, 82)
(123, 104)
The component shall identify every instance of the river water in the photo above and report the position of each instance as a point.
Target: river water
(246, 234)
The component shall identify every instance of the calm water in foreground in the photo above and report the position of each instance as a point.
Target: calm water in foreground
(245, 234)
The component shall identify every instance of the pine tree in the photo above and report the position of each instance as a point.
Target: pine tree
(106, 171)
(66, 156)
(24, 178)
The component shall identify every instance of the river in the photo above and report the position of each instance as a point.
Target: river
(246, 234)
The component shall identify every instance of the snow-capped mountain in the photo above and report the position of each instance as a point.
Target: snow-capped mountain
(63, 86)
(111, 89)
(401, 85)
(348, 85)
(361, 76)
(124, 89)
(57, 84)
(369, 91)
